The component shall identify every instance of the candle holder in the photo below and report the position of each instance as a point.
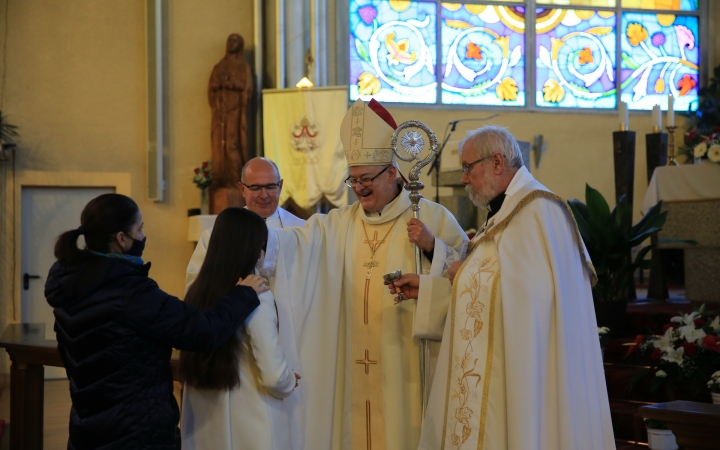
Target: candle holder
(671, 145)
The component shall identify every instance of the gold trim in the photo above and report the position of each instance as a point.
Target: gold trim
(488, 367)
(503, 224)
(451, 315)
(368, 425)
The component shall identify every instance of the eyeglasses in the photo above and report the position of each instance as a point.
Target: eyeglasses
(365, 182)
(272, 187)
(466, 167)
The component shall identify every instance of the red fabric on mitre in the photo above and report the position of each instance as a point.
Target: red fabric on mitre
(383, 113)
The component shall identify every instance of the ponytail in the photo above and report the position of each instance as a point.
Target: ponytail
(102, 218)
(66, 247)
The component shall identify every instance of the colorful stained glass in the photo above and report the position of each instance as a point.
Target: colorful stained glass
(483, 55)
(393, 51)
(659, 57)
(660, 5)
(598, 3)
(575, 64)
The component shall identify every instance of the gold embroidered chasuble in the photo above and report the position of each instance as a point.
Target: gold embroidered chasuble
(321, 272)
(519, 365)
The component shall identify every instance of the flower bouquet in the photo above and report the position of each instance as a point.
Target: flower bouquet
(203, 180)
(702, 139)
(714, 386)
(203, 177)
(684, 358)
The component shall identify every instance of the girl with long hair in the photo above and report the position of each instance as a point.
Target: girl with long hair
(116, 330)
(233, 394)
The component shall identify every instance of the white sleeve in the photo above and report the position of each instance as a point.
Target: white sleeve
(262, 327)
(268, 262)
(443, 256)
(432, 307)
(196, 261)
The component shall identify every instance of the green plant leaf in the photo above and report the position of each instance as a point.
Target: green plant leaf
(677, 241)
(652, 215)
(579, 211)
(622, 215)
(362, 52)
(642, 253)
(639, 238)
(597, 207)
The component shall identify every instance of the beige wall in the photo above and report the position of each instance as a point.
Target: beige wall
(76, 80)
(76, 87)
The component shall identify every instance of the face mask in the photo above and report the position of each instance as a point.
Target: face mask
(137, 247)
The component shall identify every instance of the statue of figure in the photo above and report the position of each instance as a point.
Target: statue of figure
(229, 92)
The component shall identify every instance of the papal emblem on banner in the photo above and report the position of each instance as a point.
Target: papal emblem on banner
(305, 136)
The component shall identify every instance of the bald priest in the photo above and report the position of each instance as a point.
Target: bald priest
(358, 357)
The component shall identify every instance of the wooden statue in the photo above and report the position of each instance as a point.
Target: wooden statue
(229, 92)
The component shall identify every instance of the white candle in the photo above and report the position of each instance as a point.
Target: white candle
(671, 111)
(623, 113)
(656, 118)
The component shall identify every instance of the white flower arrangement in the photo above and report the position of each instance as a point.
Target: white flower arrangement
(700, 150)
(713, 153)
(714, 383)
(661, 374)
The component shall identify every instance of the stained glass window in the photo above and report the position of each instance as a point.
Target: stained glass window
(393, 51)
(575, 63)
(599, 3)
(672, 5)
(483, 54)
(660, 56)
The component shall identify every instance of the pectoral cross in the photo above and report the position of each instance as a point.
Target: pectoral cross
(370, 265)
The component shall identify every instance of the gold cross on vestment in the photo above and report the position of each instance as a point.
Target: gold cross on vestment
(370, 264)
(375, 243)
(367, 361)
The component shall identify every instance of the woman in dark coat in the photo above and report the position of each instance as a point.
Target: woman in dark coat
(116, 330)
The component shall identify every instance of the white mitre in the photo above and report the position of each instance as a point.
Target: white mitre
(366, 133)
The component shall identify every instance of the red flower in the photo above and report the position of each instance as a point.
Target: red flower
(668, 326)
(197, 171)
(690, 348)
(711, 343)
(205, 164)
(699, 323)
(638, 339)
(656, 354)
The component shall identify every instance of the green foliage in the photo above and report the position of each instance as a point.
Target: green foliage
(7, 131)
(609, 237)
(703, 125)
(362, 52)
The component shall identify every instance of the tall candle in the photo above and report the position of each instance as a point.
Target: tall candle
(671, 111)
(656, 119)
(623, 113)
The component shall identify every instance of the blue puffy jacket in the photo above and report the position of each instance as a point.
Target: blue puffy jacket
(116, 330)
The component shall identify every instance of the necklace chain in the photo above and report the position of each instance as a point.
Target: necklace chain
(367, 239)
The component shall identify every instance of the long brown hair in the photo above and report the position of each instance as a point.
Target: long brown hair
(233, 251)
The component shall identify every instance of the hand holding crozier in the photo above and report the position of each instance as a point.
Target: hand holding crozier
(405, 287)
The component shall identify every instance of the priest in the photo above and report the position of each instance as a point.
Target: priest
(359, 360)
(519, 366)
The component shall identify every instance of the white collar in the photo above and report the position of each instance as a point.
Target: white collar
(520, 179)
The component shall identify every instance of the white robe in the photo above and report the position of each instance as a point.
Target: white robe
(519, 365)
(314, 266)
(286, 335)
(252, 416)
(283, 218)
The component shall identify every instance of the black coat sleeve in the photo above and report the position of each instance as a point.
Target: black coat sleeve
(168, 319)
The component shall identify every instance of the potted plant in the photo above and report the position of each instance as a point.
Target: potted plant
(683, 359)
(203, 180)
(702, 138)
(609, 237)
(659, 436)
(714, 386)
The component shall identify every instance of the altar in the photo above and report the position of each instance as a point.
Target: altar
(691, 194)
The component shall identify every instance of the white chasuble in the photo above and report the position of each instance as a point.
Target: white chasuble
(358, 357)
(519, 365)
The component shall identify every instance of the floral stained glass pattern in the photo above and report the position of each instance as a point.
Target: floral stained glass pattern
(660, 56)
(393, 51)
(483, 54)
(671, 5)
(576, 59)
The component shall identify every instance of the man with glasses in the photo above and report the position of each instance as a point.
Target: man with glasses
(520, 365)
(358, 351)
(260, 186)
